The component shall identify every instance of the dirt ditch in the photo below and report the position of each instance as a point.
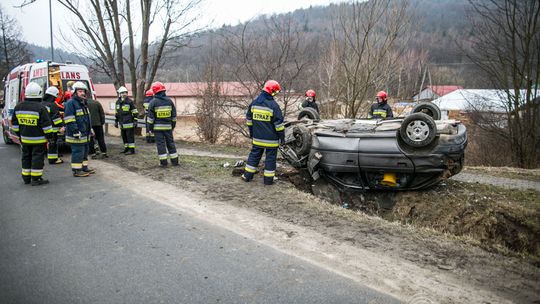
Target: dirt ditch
(447, 228)
(498, 219)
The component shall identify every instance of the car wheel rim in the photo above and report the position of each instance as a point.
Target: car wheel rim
(417, 131)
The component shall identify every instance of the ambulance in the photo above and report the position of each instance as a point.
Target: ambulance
(46, 74)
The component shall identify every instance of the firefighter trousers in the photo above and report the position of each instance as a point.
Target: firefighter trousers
(128, 137)
(166, 147)
(33, 158)
(52, 149)
(269, 163)
(79, 157)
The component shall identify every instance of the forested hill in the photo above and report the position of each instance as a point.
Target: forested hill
(438, 26)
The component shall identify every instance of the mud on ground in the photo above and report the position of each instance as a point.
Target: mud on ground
(449, 240)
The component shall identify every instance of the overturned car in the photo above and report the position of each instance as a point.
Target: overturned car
(408, 153)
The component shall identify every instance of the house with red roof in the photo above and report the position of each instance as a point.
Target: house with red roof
(435, 91)
(185, 95)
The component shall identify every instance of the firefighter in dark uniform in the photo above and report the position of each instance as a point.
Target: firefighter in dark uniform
(381, 109)
(162, 121)
(149, 95)
(126, 117)
(265, 122)
(309, 102)
(78, 128)
(31, 122)
(54, 114)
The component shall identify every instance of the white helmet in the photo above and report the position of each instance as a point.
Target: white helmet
(52, 91)
(122, 90)
(79, 86)
(33, 91)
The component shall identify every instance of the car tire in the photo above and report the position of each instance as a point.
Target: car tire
(302, 142)
(428, 108)
(309, 113)
(418, 130)
(7, 140)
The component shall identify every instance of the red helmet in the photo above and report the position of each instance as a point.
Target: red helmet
(272, 87)
(158, 87)
(310, 93)
(149, 93)
(382, 95)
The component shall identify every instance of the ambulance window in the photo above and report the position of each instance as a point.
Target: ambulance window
(65, 82)
(41, 81)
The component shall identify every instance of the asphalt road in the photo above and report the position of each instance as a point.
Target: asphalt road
(88, 240)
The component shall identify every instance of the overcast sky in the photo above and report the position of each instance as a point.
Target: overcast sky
(34, 18)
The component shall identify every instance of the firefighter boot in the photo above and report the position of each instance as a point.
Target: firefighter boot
(174, 161)
(88, 170)
(80, 173)
(268, 180)
(163, 163)
(130, 151)
(26, 180)
(125, 150)
(39, 181)
(247, 176)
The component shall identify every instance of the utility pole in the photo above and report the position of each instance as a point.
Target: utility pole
(50, 26)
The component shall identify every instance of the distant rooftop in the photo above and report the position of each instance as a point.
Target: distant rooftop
(442, 90)
(179, 89)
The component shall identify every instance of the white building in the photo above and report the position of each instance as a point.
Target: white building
(494, 101)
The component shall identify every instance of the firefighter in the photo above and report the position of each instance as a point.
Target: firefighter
(309, 102)
(78, 129)
(54, 114)
(149, 95)
(126, 116)
(265, 122)
(31, 122)
(381, 109)
(161, 122)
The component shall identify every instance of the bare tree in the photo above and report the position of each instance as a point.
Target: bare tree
(209, 109)
(13, 51)
(280, 54)
(110, 28)
(365, 36)
(506, 46)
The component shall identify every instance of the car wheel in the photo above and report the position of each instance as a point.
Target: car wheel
(309, 113)
(418, 130)
(7, 140)
(302, 142)
(428, 108)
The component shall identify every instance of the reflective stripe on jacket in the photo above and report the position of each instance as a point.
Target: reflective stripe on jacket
(76, 119)
(31, 122)
(126, 113)
(161, 113)
(380, 110)
(53, 111)
(265, 121)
